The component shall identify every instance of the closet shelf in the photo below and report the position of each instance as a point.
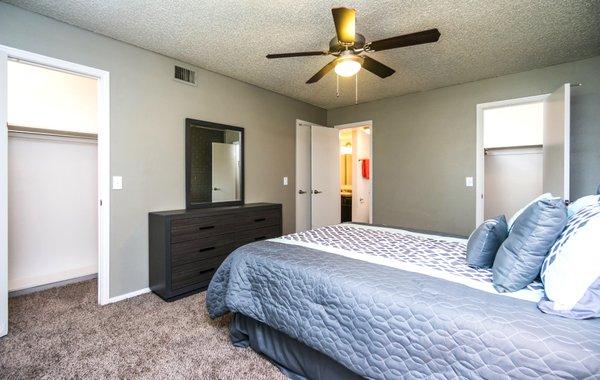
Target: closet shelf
(52, 132)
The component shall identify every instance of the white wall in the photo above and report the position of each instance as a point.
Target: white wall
(513, 177)
(33, 100)
(52, 213)
(515, 125)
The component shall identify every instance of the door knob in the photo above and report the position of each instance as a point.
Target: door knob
(301, 192)
(317, 192)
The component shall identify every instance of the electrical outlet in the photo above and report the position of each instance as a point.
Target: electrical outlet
(117, 183)
(469, 181)
(285, 181)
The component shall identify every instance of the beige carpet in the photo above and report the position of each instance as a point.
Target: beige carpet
(63, 333)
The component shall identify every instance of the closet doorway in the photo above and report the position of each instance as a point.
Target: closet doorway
(522, 152)
(54, 175)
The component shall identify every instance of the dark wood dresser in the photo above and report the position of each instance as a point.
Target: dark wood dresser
(187, 246)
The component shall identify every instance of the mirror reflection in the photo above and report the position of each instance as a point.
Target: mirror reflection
(215, 164)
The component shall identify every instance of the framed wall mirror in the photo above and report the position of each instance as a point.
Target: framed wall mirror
(214, 164)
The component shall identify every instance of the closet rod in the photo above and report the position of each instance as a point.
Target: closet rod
(513, 147)
(52, 132)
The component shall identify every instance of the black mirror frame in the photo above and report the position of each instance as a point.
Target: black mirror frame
(189, 123)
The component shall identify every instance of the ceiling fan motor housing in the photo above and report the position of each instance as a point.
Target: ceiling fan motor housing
(336, 46)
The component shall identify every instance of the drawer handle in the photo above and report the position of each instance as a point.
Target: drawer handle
(205, 271)
(260, 219)
(205, 228)
(259, 238)
(206, 249)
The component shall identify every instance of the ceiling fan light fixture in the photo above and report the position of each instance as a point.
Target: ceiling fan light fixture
(349, 65)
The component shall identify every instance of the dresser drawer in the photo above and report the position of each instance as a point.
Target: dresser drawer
(188, 247)
(258, 234)
(189, 255)
(197, 228)
(259, 219)
(198, 272)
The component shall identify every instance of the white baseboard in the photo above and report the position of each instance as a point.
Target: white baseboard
(128, 295)
(22, 292)
(16, 284)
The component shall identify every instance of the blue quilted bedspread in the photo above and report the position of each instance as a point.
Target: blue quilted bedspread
(383, 322)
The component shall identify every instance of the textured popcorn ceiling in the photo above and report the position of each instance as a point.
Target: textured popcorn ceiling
(480, 39)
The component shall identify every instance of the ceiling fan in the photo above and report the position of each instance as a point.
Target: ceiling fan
(348, 48)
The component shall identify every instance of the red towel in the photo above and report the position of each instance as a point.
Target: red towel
(365, 168)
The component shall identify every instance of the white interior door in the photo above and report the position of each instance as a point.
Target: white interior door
(224, 172)
(557, 132)
(3, 197)
(303, 189)
(325, 175)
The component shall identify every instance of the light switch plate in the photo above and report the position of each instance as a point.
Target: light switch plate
(117, 183)
(469, 181)
(285, 181)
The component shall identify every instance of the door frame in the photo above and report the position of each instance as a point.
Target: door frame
(480, 152)
(366, 123)
(103, 99)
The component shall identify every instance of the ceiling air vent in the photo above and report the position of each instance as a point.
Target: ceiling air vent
(185, 75)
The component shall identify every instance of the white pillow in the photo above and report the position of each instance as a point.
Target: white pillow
(582, 203)
(571, 272)
(511, 221)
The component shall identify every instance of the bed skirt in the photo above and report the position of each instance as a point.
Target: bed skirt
(295, 359)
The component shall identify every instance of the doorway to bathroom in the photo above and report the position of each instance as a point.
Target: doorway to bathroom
(356, 174)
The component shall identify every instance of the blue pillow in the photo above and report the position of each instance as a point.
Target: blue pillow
(485, 241)
(520, 257)
(512, 220)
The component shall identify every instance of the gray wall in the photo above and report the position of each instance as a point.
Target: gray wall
(424, 143)
(148, 110)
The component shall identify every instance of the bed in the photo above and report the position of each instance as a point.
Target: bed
(351, 301)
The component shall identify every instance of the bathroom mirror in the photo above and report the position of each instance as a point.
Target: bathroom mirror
(214, 164)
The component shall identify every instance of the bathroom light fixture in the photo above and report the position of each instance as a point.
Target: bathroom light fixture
(346, 149)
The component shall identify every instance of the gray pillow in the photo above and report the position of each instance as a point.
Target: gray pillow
(485, 241)
(520, 257)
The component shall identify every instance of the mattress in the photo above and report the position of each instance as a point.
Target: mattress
(388, 303)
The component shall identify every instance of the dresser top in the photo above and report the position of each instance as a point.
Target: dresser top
(214, 210)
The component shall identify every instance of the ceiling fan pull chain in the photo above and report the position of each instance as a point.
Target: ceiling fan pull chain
(356, 89)
(337, 86)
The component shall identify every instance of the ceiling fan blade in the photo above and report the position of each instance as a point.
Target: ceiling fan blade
(424, 37)
(321, 73)
(377, 67)
(301, 54)
(345, 24)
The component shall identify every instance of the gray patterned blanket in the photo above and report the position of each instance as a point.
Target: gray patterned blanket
(382, 321)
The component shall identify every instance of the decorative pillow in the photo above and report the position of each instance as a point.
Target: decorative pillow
(512, 220)
(582, 203)
(485, 241)
(522, 254)
(571, 272)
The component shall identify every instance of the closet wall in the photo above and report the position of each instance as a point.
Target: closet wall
(52, 181)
